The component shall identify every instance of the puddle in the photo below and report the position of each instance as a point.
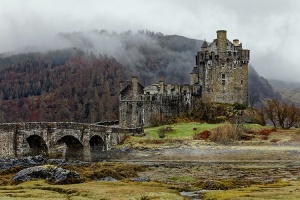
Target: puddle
(193, 195)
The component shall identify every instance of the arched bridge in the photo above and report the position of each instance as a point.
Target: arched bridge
(60, 139)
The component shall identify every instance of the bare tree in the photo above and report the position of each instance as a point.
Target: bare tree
(281, 114)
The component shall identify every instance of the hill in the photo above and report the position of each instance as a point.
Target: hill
(81, 83)
(290, 91)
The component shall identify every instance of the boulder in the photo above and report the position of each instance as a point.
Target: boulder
(53, 174)
(37, 172)
(141, 179)
(64, 176)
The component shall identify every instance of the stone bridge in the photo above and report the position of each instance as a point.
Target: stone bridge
(69, 140)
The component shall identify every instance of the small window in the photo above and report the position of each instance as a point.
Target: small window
(223, 79)
(242, 82)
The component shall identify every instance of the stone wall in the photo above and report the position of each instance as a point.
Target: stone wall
(71, 140)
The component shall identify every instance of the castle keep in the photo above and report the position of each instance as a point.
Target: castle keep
(221, 71)
(220, 75)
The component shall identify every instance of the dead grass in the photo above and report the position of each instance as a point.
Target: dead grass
(35, 190)
(226, 134)
(107, 169)
(278, 190)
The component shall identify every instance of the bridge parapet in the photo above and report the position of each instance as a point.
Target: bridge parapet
(8, 127)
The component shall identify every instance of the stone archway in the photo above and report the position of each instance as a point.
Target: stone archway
(73, 148)
(37, 145)
(97, 145)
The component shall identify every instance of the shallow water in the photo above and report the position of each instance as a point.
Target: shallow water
(193, 195)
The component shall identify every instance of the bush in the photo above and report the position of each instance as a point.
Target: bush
(264, 137)
(275, 140)
(157, 119)
(162, 132)
(220, 119)
(226, 134)
(204, 135)
(267, 132)
(239, 106)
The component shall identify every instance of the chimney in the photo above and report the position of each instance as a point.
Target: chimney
(121, 86)
(222, 41)
(236, 42)
(134, 82)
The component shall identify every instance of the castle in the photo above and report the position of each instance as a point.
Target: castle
(220, 75)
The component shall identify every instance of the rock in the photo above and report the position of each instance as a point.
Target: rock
(23, 162)
(141, 179)
(37, 172)
(109, 178)
(64, 176)
(53, 174)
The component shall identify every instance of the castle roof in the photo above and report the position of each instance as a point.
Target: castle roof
(204, 44)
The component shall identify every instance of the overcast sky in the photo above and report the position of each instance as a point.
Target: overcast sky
(269, 28)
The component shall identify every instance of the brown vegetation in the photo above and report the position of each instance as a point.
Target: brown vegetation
(204, 135)
(281, 114)
(107, 169)
(226, 134)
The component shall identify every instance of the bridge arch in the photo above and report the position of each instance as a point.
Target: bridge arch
(74, 149)
(37, 145)
(97, 145)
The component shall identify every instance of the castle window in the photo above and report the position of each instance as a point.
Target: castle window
(242, 82)
(223, 79)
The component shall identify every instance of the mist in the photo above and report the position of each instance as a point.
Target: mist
(268, 28)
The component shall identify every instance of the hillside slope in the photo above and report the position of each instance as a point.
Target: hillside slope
(82, 83)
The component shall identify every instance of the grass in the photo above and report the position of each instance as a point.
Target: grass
(186, 179)
(181, 130)
(278, 190)
(34, 190)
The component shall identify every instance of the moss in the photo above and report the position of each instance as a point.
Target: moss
(282, 189)
(100, 170)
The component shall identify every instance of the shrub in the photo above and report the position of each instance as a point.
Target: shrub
(264, 137)
(275, 140)
(204, 135)
(226, 134)
(247, 137)
(239, 106)
(157, 119)
(126, 137)
(220, 119)
(265, 132)
(162, 132)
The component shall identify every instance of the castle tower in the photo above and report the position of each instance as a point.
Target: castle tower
(221, 70)
(130, 104)
(222, 42)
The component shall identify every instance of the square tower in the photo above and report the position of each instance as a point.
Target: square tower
(221, 70)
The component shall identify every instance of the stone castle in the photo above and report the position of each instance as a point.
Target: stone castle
(220, 75)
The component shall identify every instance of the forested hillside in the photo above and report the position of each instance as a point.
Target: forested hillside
(81, 83)
(64, 85)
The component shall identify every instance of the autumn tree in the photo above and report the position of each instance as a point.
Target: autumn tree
(281, 114)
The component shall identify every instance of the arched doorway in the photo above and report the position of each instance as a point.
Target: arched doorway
(73, 147)
(37, 145)
(97, 145)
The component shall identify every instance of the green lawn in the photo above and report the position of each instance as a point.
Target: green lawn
(181, 130)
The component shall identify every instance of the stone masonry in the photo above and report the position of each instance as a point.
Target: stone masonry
(220, 75)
